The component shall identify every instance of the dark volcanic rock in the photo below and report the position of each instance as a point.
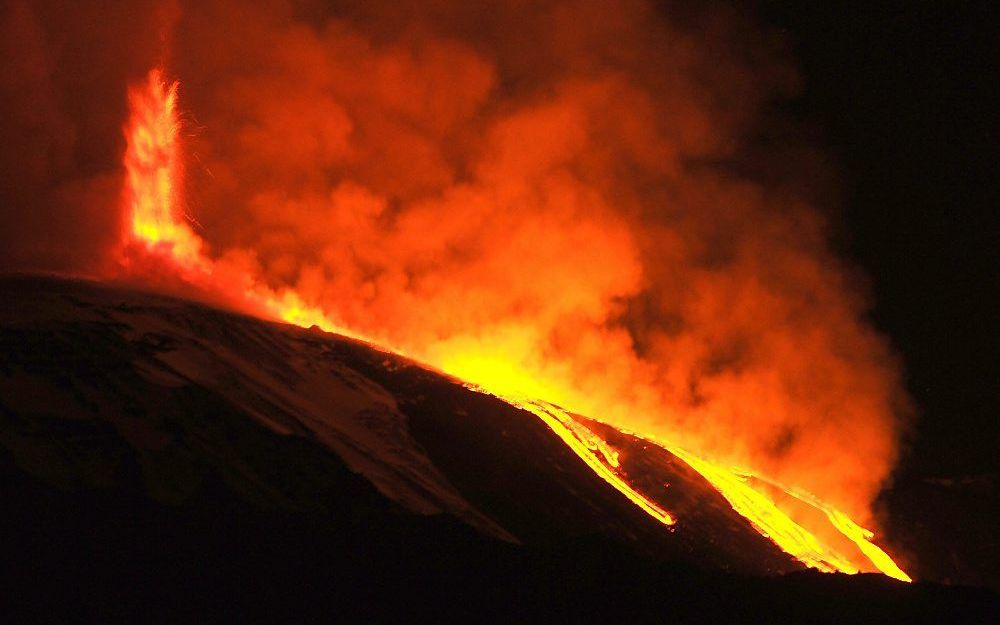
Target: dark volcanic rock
(156, 452)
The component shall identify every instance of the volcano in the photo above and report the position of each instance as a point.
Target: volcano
(158, 451)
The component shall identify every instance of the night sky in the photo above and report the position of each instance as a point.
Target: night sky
(904, 96)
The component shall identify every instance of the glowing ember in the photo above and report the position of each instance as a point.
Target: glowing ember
(153, 200)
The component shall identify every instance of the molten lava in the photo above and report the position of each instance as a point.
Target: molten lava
(755, 506)
(153, 170)
(157, 223)
(592, 449)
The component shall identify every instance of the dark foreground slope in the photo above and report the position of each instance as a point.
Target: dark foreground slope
(159, 458)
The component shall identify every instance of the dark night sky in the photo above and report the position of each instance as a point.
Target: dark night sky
(905, 97)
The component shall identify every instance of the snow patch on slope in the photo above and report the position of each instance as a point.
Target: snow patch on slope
(285, 378)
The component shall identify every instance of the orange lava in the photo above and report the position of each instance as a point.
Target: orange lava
(153, 170)
(595, 452)
(156, 220)
(768, 519)
(157, 223)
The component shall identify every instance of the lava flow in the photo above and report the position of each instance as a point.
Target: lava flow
(732, 483)
(157, 225)
(601, 457)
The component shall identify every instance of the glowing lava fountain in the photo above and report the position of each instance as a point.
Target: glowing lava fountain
(155, 218)
(157, 226)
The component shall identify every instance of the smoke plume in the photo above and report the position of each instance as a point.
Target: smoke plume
(587, 195)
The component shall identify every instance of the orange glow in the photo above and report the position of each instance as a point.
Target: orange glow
(857, 534)
(767, 518)
(732, 483)
(153, 207)
(507, 369)
(794, 539)
(592, 449)
(153, 170)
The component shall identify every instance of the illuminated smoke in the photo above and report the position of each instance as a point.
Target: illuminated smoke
(569, 200)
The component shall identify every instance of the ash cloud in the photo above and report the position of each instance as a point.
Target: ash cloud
(574, 187)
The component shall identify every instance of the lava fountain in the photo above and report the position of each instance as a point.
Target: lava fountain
(156, 227)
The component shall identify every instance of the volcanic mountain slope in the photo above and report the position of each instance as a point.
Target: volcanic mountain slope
(152, 446)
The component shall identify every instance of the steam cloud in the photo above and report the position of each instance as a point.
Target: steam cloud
(580, 188)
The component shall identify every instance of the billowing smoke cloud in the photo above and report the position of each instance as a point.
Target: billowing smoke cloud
(573, 190)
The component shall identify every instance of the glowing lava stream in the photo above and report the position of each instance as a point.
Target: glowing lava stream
(590, 447)
(859, 535)
(765, 516)
(153, 197)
